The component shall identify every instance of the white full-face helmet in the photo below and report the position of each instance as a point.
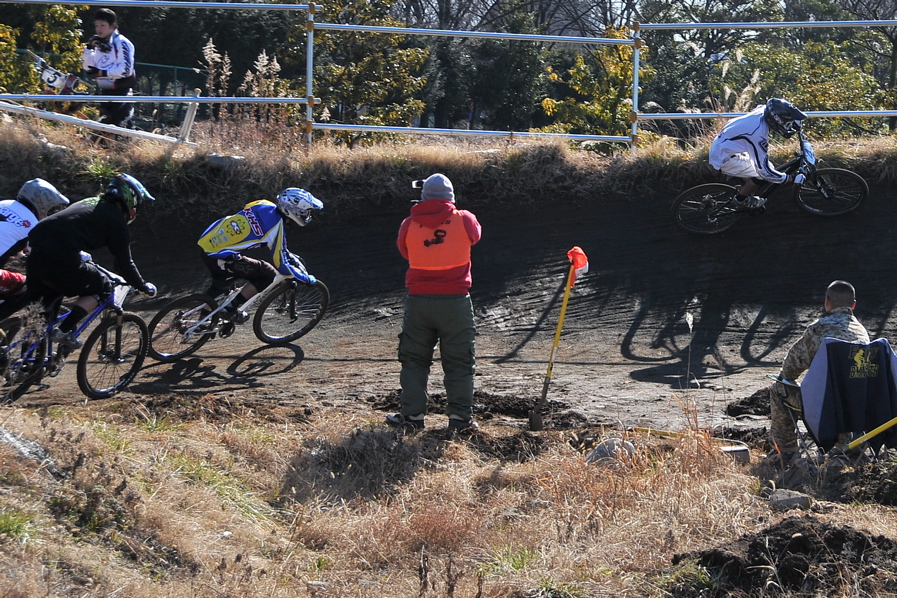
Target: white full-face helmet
(42, 198)
(298, 205)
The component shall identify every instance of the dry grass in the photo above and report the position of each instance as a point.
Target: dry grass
(155, 506)
(353, 182)
(194, 508)
(155, 503)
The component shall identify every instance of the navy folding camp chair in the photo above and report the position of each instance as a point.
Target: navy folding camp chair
(851, 388)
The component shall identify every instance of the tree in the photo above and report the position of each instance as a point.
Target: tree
(507, 80)
(887, 48)
(52, 31)
(176, 36)
(818, 77)
(15, 74)
(367, 78)
(602, 84)
(684, 59)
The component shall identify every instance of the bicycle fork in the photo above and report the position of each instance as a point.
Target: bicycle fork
(109, 347)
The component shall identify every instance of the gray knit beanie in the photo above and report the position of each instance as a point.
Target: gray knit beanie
(438, 186)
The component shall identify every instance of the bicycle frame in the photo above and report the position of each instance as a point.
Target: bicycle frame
(248, 306)
(64, 83)
(804, 163)
(113, 302)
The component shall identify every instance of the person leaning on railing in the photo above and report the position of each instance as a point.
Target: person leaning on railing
(109, 56)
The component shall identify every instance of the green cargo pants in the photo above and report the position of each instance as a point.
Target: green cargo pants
(448, 321)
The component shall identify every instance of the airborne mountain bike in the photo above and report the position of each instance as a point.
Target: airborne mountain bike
(285, 310)
(712, 208)
(109, 359)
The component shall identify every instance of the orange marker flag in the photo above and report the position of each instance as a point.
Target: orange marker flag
(580, 263)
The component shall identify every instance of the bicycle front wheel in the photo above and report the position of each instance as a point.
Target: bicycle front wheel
(290, 311)
(22, 356)
(832, 191)
(170, 329)
(706, 209)
(112, 356)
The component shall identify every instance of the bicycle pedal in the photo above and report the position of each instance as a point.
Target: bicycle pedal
(757, 211)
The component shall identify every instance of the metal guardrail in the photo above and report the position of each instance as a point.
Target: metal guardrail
(172, 4)
(464, 132)
(636, 42)
(34, 97)
(89, 124)
(768, 25)
(488, 34)
(728, 115)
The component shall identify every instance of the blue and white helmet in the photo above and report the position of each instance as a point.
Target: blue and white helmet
(298, 205)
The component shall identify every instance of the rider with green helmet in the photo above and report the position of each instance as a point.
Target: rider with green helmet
(57, 265)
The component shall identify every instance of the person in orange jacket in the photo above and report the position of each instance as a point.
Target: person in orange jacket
(436, 240)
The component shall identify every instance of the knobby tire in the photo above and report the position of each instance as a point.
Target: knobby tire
(10, 332)
(166, 329)
(290, 311)
(22, 366)
(706, 209)
(112, 355)
(844, 192)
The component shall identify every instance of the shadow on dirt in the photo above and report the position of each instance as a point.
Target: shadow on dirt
(193, 375)
(378, 460)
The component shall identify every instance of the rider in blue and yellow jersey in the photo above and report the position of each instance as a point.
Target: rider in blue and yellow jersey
(258, 223)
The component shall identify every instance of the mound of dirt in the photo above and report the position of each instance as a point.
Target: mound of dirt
(797, 555)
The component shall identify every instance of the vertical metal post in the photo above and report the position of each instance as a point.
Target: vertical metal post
(309, 70)
(192, 107)
(633, 115)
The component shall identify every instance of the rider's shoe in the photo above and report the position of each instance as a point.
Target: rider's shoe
(65, 339)
(750, 203)
(235, 314)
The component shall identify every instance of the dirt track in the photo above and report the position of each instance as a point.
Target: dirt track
(627, 352)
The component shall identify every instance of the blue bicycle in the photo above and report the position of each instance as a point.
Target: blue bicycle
(110, 357)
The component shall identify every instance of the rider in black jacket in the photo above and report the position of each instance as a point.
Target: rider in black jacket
(55, 266)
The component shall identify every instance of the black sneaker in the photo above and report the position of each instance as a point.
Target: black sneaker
(462, 425)
(397, 420)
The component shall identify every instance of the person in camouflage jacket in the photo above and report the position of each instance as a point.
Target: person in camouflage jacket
(837, 322)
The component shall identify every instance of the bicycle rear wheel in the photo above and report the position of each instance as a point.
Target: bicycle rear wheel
(112, 355)
(706, 209)
(832, 191)
(290, 311)
(169, 336)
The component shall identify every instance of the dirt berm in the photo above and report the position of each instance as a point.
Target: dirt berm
(660, 311)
